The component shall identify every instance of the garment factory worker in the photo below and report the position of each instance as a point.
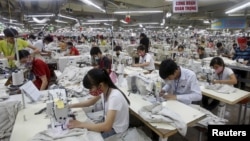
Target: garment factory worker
(118, 50)
(115, 103)
(242, 55)
(180, 52)
(223, 75)
(7, 46)
(144, 40)
(181, 84)
(232, 51)
(222, 51)
(38, 68)
(73, 51)
(146, 61)
(99, 60)
(201, 52)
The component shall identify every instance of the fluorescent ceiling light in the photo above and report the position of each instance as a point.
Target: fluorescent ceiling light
(66, 17)
(123, 21)
(238, 7)
(140, 12)
(93, 4)
(106, 24)
(206, 22)
(41, 15)
(149, 23)
(103, 20)
(59, 21)
(239, 14)
(89, 23)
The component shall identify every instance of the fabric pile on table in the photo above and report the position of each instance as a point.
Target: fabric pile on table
(161, 114)
(72, 77)
(8, 114)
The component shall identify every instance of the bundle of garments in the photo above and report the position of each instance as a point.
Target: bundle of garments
(132, 134)
(9, 112)
(157, 113)
(221, 88)
(75, 134)
(72, 77)
(210, 118)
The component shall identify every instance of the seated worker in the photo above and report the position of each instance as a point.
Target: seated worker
(73, 51)
(181, 84)
(100, 61)
(7, 46)
(118, 49)
(241, 53)
(38, 68)
(224, 75)
(146, 61)
(221, 51)
(180, 52)
(116, 104)
(201, 52)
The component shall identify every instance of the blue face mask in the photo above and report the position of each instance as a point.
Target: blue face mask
(97, 58)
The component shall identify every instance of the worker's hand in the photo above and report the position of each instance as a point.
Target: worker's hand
(170, 97)
(244, 62)
(162, 92)
(74, 124)
(135, 65)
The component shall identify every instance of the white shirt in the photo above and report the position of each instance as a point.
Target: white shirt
(147, 58)
(39, 44)
(186, 88)
(225, 74)
(116, 101)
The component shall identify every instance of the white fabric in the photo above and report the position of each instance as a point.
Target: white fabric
(8, 114)
(39, 44)
(161, 114)
(210, 117)
(186, 89)
(67, 135)
(147, 58)
(117, 102)
(225, 75)
(222, 88)
(132, 134)
(71, 78)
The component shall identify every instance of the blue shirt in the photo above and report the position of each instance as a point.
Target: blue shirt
(239, 54)
(186, 88)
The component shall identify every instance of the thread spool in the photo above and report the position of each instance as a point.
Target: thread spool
(17, 78)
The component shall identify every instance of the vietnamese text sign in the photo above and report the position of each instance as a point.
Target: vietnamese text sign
(185, 6)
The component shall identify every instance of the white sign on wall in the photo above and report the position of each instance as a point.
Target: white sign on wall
(185, 6)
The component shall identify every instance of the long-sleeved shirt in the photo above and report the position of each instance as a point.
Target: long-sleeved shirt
(239, 54)
(186, 88)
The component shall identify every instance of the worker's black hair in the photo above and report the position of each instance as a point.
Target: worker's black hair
(167, 68)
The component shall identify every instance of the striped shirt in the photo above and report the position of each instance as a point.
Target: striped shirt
(239, 54)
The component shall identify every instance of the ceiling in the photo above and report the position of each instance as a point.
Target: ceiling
(208, 10)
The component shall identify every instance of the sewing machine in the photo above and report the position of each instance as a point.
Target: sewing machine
(145, 84)
(57, 109)
(67, 60)
(208, 72)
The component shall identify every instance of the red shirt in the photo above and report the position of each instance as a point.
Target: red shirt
(40, 68)
(74, 50)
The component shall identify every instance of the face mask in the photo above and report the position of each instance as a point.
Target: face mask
(96, 92)
(219, 70)
(97, 58)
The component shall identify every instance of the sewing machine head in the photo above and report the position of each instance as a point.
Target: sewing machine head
(57, 108)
